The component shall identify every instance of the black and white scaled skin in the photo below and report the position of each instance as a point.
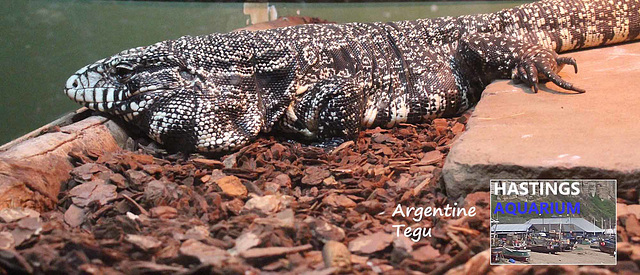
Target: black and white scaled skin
(217, 92)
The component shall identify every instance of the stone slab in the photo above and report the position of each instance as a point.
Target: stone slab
(555, 134)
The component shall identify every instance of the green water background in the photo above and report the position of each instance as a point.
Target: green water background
(43, 42)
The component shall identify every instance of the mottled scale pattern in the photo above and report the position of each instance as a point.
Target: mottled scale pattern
(217, 92)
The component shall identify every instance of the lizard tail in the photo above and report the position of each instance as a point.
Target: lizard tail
(564, 25)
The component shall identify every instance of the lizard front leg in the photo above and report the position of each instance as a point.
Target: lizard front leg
(331, 108)
(499, 56)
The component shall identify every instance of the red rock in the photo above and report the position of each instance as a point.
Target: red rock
(633, 209)
(198, 232)
(144, 159)
(31, 223)
(441, 125)
(273, 251)
(338, 201)
(382, 138)
(163, 212)
(330, 181)
(428, 146)
(478, 264)
(422, 185)
(592, 270)
(277, 150)
(155, 190)
(86, 171)
(136, 177)
(271, 188)
(342, 147)
(431, 157)
(315, 175)
(140, 267)
(457, 128)
(207, 254)
(626, 267)
(8, 215)
(442, 122)
(268, 204)
(477, 198)
(325, 231)
(371, 206)
(234, 206)
(426, 169)
(152, 169)
(21, 235)
(208, 163)
(283, 180)
(145, 243)
(625, 250)
(282, 219)
(232, 186)
(359, 260)
(632, 225)
(85, 193)
(118, 180)
(368, 244)
(74, 216)
(425, 253)
(246, 241)
(335, 254)
(402, 242)
(6, 240)
(622, 209)
(383, 149)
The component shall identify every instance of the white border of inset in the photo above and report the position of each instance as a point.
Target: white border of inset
(615, 189)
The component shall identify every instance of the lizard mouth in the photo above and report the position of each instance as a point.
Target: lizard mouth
(100, 99)
(87, 86)
(92, 87)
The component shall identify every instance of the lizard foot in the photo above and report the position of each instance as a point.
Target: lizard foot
(544, 65)
(329, 108)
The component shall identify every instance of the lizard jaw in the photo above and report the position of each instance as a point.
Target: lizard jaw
(93, 87)
(88, 86)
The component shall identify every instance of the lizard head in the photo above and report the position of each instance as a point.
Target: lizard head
(190, 94)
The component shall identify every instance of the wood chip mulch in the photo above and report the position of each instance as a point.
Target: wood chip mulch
(272, 207)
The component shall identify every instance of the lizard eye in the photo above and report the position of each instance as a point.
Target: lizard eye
(123, 72)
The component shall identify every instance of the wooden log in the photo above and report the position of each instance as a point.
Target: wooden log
(33, 169)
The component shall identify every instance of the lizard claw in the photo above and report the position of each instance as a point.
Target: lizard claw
(530, 70)
(555, 78)
(568, 61)
(528, 73)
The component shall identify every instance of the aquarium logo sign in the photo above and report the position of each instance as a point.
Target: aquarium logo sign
(535, 188)
(515, 208)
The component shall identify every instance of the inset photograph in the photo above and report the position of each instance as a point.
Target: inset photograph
(553, 222)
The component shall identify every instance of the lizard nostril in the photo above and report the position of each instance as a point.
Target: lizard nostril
(75, 83)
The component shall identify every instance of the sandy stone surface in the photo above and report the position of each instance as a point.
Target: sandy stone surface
(515, 133)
